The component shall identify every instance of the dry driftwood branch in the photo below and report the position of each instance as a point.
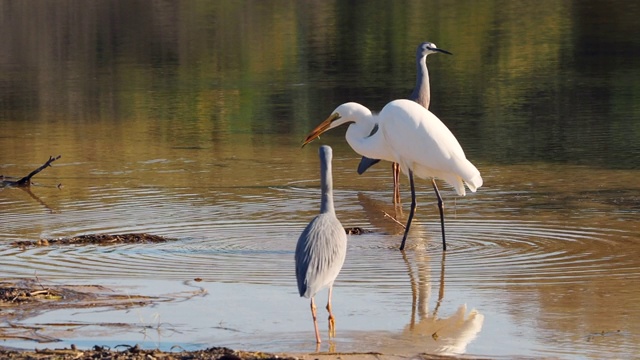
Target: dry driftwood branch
(26, 181)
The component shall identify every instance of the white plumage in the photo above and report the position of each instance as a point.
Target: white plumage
(413, 137)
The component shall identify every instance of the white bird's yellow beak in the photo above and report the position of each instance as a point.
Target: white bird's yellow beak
(320, 129)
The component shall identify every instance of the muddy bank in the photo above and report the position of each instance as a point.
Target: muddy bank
(134, 353)
(214, 353)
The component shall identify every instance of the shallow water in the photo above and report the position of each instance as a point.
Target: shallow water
(546, 269)
(179, 138)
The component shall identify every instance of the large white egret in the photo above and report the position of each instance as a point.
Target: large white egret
(413, 137)
(422, 95)
(322, 247)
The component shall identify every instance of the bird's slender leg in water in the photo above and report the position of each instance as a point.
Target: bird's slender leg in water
(315, 320)
(395, 168)
(413, 209)
(441, 208)
(332, 320)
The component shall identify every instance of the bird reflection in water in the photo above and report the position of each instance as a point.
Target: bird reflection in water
(441, 335)
(434, 334)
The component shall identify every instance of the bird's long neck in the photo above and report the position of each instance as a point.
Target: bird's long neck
(421, 93)
(326, 184)
(365, 143)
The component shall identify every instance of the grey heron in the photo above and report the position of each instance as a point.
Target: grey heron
(321, 247)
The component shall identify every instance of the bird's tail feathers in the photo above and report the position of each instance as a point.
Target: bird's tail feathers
(469, 174)
(456, 182)
(474, 183)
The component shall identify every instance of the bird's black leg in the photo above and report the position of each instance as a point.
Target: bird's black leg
(412, 211)
(441, 208)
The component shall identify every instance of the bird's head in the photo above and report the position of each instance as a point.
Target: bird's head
(343, 114)
(427, 48)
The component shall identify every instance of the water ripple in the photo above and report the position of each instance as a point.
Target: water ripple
(481, 253)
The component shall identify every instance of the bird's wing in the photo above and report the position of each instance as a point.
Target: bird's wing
(421, 142)
(366, 163)
(320, 254)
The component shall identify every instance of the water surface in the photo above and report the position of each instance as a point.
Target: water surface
(186, 121)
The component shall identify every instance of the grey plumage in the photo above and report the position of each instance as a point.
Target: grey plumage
(322, 246)
(422, 91)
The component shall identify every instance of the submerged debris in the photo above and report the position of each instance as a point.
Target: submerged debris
(96, 239)
(24, 299)
(357, 231)
(30, 292)
(14, 295)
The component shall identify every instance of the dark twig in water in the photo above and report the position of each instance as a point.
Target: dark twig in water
(26, 181)
(38, 280)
